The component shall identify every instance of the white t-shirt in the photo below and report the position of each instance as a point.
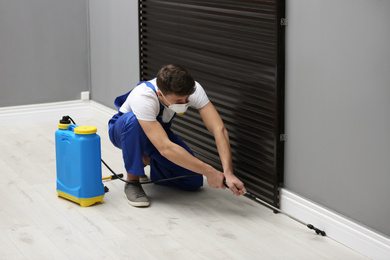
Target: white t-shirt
(144, 103)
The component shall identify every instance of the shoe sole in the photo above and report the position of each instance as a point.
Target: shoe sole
(137, 204)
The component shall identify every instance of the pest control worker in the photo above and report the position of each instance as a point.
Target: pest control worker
(142, 130)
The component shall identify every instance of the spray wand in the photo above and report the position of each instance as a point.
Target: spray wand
(255, 198)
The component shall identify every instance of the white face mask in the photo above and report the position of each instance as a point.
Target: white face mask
(177, 108)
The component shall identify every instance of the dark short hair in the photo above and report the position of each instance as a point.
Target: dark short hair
(174, 79)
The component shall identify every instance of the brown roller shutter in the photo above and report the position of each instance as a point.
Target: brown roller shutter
(235, 50)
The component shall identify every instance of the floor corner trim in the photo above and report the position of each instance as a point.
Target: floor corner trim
(44, 112)
(336, 226)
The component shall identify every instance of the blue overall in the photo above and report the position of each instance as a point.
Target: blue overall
(127, 134)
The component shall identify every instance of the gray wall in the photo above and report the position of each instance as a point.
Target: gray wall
(114, 48)
(338, 107)
(43, 51)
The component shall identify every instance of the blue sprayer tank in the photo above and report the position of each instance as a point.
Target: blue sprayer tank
(78, 158)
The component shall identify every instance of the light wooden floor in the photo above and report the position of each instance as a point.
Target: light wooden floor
(207, 224)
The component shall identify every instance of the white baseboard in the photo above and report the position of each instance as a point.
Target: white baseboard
(54, 111)
(44, 112)
(337, 227)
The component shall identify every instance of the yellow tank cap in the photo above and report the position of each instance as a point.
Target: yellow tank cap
(85, 130)
(63, 126)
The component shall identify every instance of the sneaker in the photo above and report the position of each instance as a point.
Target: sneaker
(143, 178)
(135, 195)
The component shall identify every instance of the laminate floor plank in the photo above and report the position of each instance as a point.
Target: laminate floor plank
(7, 247)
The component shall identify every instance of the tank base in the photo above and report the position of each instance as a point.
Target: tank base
(86, 202)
